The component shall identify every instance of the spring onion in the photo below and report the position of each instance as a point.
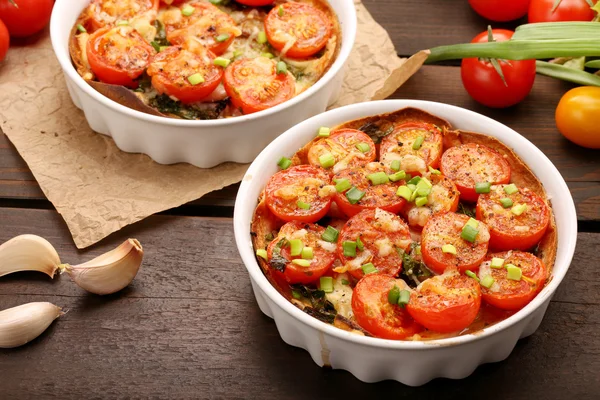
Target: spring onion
(330, 235)
(354, 195)
(593, 64)
(497, 262)
(221, 62)
(237, 53)
(557, 30)
(513, 272)
(398, 176)
(411, 187)
(187, 10)
(222, 37)
(404, 192)
(473, 222)
(414, 180)
(394, 295)
(284, 163)
(301, 262)
(434, 171)
(518, 209)
(280, 11)
(163, 48)
(418, 250)
(323, 132)
(281, 68)
(567, 74)
(262, 253)
(307, 253)
(506, 202)
(368, 268)
(511, 189)
(195, 79)
(302, 205)
(404, 298)
(482, 187)
(155, 45)
(261, 38)
(345, 282)
(296, 247)
(267, 55)
(487, 282)
(216, 2)
(122, 22)
(471, 274)
(449, 249)
(81, 29)
(363, 147)
(378, 178)
(349, 249)
(326, 284)
(359, 244)
(421, 201)
(469, 233)
(296, 294)
(414, 195)
(395, 165)
(341, 185)
(418, 143)
(327, 160)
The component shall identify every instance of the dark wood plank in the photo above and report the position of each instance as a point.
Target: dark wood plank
(189, 327)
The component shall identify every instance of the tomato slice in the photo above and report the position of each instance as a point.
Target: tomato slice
(508, 294)
(398, 145)
(508, 230)
(445, 229)
(446, 303)
(173, 71)
(108, 12)
(443, 198)
(255, 2)
(254, 84)
(301, 29)
(310, 235)
(118, 55)
(375, 196)
(288, 189)
(342, 145)
(207, 24)
(469, 164)
(382, 235)
(375, 314)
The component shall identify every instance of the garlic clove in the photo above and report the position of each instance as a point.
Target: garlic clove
(28, 253)
(22, 324)
(109, 272)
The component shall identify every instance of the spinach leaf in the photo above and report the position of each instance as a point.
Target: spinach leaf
(161, 35)
(277, 261)
(377, 130)
(413, 270)
(321, 308)
(466, 209)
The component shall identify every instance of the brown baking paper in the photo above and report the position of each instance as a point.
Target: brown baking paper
(99, 189)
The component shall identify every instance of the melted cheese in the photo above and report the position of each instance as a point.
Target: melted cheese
(330, 247)
(387, 221)
(384, 247)
(341, 297)
(364, 257)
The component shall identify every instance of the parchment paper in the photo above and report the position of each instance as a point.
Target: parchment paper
(99, 189)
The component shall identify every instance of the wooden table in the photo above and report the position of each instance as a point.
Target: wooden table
(189, 326)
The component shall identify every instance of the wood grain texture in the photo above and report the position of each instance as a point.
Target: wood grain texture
(189, 327)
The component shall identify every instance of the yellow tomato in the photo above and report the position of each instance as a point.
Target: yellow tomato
(578, 116)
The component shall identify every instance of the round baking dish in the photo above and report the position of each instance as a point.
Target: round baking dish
(201, 143)
(373, 359)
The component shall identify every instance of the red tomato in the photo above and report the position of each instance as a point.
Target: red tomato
(310, 235)
(304, 25)
(567, 10)
(500, 10)
(446, 303)
(118, 55)
(305, 184)
(471, 163)
(510, 231)
(508, 294)
(256, 2)
(172, 69)
(445, 229)
(27, 18)
(4, 40)
(382, 235)
(254, 84)
(101, 12)
(375, 196)
(398, 145)
(485, 85)
(443, 198)
(342, 145)
(375, 314)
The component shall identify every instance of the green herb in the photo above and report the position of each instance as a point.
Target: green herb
(330, 235)
(320, 307)
(471, 274)
(354, 195)
(281, 68)
(284, 163)
(222, 37)
(394, 295)
(278, 262)
(161, 35)
(377, 130)
(404, 298)
(326, 284)
(349, 249)
(466, 210)
(80, 27)
(302, 205)
(413, 271)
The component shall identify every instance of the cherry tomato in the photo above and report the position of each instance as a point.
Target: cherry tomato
(343, 145)
(442, 198)
(27, 17)
(256, 2)
(382, 234)
(375, 314)
(508, 294)
(446, 303)
(471, 163)
(485, 85)
(173, 71)
(578, 116)
(508, 230)
(102, 13)
(375, 196)
(254, 84)
(207, 24)
(303, 26)
(118, 55)
(446, 229)
(500, 10)
(4, 40)
(567, 10)
(310, 235)
(298, 186)
(398, 145)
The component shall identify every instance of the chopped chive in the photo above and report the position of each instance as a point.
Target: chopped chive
(513, 272)
(359, 244)
(363, 147)
(511, 189)
(404, 298)
(418, 250)
(187, 10)
(324, 132)
(434, 171)
(469, 233)
(404, 192)
(262, 253)
(341, 185)
(369, 268)
(497, 262)
(195, 79)
(81, 29)
(122, 22)
(414, 195)
(237, 53)
(261, 37)
(327, 160)
(162, 48)
(281, 68)
(296, 247)
(506, 202)
(349, 249)
(284, 163)
(398, 176)
(518, 209)
(423, 191)
(394, 295)
(296, 294)
(222, 37)
(378, 178)
(280, 11)
(301, 262)
(414, 180)
(330, 235)
(303, 205)
(267, 55)
(482, 187)
(487, 282)
(221, 62)
(326, 284)
(449, 249)
(354, 195)
(345, 282)
(395, 166)
(216, 1)
(471, 274)
(418, 143)
(421, 201)
(155, 45)
(307, 253)
(473, 222)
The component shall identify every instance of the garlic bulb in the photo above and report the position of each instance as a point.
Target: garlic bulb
(22, 324)
(28, 253)
(109, 272)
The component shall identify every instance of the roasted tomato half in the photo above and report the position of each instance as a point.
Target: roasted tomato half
(298, 30)
(416, 145)
(186, 74)
(446, 242)
(280, 258)
(376, 314)
(517, 220)
(102, 13)
(379, 237)
(367, 188)
(118, 55)
(300, 193)
(442, 198)
(349, 148)
(202, 21)
(446, 303)
(471, 164)
(254, 84)
(512, 294)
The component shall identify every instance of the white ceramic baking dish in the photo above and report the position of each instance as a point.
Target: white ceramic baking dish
(201, 143)
(412, 363)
